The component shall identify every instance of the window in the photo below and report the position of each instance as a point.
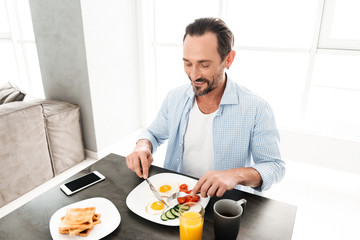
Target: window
(300, 55)
(18, 59)
(272, 24)
(340, 28)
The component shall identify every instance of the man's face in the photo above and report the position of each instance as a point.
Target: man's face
(202, 63)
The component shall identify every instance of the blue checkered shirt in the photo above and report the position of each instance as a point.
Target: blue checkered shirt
(244, 132)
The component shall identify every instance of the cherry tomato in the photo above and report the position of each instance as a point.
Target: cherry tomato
(187, 198)
(195, 198)
(183, 187)
(188, 191)
(181, 200)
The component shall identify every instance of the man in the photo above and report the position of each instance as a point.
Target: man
(213, 126)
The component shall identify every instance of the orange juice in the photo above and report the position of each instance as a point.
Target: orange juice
(191, 225)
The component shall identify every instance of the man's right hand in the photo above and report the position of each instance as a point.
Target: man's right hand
(140, 160)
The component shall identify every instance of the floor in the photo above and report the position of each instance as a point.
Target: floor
(328, 201)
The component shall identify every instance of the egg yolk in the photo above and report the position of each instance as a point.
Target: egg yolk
(164, 188)
(157, 206)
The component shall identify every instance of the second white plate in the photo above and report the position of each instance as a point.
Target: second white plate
(110, 219)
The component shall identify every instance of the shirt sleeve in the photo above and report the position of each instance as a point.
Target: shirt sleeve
(158, 131)
(265, 148)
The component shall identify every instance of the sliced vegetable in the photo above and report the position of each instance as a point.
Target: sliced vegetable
(188, 198)
(181, 200)
(176, 207)
(195, 198)
(169, 215)
(163, 217)
(174, 212)
(185, 208)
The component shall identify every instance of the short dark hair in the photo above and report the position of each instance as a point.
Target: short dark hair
(217, 26)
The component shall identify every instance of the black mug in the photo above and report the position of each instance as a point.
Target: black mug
(227, 214)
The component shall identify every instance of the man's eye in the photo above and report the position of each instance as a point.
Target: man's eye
(204, 66)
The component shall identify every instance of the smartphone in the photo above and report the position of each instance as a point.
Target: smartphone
(82, 183)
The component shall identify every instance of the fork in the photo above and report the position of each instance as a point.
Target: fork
(174, 196)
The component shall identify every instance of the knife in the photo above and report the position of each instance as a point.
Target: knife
(156, 193)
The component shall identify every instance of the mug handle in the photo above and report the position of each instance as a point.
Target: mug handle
(242, 202)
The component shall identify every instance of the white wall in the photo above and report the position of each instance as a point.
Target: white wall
(59, 38)
(88, 56)
(111, 51)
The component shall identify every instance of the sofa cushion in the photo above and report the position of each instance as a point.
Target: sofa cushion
(10, 93)
(64, 134)
(24, 156)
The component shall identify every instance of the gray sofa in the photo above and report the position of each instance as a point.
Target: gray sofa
(38, 140)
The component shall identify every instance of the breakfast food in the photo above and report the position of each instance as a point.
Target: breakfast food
(168, 189)
(167, 192)
(184, 188)
(188, 198)
(79, 221)
(172, 213)
(155, 208)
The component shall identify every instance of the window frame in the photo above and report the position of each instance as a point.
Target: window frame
(325, 40)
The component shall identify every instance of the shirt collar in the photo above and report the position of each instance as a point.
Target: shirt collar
(190, 92)
(230, 96)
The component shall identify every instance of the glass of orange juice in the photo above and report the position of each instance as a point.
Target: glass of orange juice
(191, 221)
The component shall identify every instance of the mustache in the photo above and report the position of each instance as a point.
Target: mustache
(200, 80)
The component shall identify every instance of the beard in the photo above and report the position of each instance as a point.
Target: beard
(211, 85)
(197, 90)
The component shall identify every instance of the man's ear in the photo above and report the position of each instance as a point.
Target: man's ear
(230, 58)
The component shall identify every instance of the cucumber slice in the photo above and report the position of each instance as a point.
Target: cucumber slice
(163, 217)
(174, 212)
(176, 208)
(169, 215)
(185, 208)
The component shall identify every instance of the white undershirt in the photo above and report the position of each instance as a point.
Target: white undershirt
(198, 143)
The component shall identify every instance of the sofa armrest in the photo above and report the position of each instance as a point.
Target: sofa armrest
(24, 156)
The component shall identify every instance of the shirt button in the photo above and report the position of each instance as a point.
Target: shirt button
(177, 159)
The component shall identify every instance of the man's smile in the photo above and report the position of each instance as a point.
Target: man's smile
(199, 82)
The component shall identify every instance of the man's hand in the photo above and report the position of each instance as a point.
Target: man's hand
(140, 160)
(218, 182)
(215, 182)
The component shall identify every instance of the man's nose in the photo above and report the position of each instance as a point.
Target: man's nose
(195, 74)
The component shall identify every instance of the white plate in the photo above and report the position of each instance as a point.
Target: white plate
(139, 197)
(110, 219)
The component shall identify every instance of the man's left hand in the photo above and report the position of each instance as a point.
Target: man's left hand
(216, 182)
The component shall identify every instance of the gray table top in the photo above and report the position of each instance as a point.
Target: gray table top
(263, 218)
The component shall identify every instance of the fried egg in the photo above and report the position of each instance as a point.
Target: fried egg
(167, 190)
(155, 208)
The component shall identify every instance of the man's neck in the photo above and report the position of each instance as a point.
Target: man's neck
(210, 102)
